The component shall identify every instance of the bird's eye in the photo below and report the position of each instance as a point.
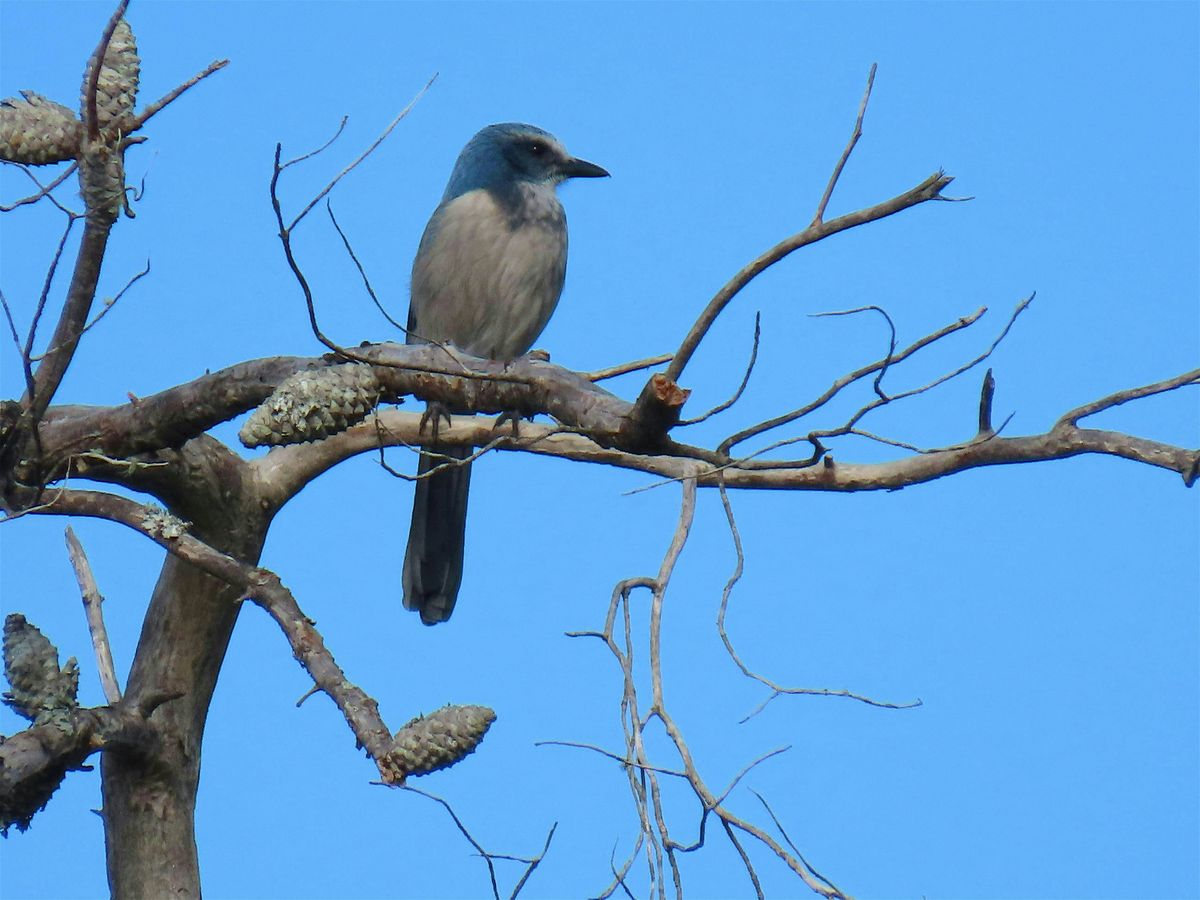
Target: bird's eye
(537, 149)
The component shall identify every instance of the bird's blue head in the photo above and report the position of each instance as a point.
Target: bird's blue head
(501, 155)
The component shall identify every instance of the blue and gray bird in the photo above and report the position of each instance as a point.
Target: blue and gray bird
(487, 277)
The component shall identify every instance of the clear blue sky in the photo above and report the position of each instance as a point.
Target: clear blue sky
(1047, 615)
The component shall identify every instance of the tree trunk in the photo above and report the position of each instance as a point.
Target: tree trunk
(150, 797)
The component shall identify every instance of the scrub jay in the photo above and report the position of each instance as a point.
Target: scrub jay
(486, 279)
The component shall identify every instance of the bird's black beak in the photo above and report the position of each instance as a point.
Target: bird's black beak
(581, 168)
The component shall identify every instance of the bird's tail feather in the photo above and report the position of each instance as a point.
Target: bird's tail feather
(433, 562)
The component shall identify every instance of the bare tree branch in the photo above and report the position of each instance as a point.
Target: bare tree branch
(531, 864)
(265, 589)
(721, 407)
(44, 191)
(354, 258)
(850, 378)
(626, 368)
(92, 602)
(1191, 378)
(171, 96)
(325, 146)
(929, 189)
(841, 163)
(362, 156)
(887, 360)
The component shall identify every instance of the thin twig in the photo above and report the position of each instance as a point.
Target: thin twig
(747, 769)
(354, 257)
(44, 296)
(171, 96)
(722, 610)
(849, 426)
(737, 845)
(43, 190)
(329, 143)
(16, 339)
(487, 857)
(721, 407)
(841, 163)
(92, 602)
(795, 850)
(285, 238)
(619, 876)
(814, 437)
(371, 149)
(887, 360)
(110, 303)
(315, 689)
(850, 378)
(891, 442)
(533, 863)
(623, 760)
(626, 368)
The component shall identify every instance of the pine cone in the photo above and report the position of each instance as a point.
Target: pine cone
(39, 687)
(117, 87)
(312, 405)
(439, 740)
(37, 131)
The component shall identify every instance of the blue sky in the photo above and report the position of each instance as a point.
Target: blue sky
(1046, 615)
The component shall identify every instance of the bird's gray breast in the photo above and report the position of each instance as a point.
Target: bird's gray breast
(490, 269)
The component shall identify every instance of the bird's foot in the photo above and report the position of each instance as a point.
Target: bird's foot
(511, 416)
(435, 411)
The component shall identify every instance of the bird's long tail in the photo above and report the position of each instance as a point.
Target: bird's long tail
(433, 563)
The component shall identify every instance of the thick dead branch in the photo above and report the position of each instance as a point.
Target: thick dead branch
(296, 465)
(87, 434)
(654, 414)
(265, 589)
(92, 603)
(34, 762)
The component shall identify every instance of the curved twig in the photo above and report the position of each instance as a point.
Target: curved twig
(721, 407)
(96, 63)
